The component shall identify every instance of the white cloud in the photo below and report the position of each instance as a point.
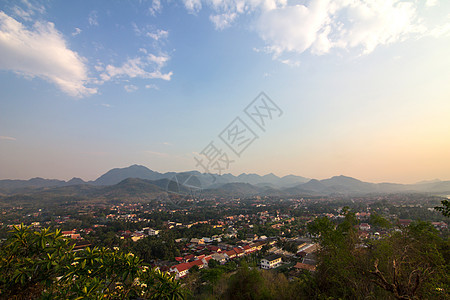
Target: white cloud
(42, 51)
(319, 26)
(443, 30)
(193, 6)
(7, 138)
(222, 21)
(130, 88)
(152, 86)
(76, 32)
(158, 34)
(155, 8)
(33, 7)
(93, 18)
(106, 105)
(26, 15)
(324, 25)
(290, 62)
(139, 68)
(28, 11)
(431, 3)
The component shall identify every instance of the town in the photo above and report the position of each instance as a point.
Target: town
(193, 234)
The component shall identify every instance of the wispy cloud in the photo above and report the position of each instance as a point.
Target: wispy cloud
(154, 153)
(152, 86)
(158, 34)
(106, 105)
(148, 66)
(130, 88)
(431, 3)
(7, 138)
(222, 21)
(28, 10)
(93, 18)
(41, 51)
(193, 6)
(155, 8)
(76, 32)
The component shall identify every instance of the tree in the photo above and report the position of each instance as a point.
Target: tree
(42, 264)
(445, 208)
(411, 264)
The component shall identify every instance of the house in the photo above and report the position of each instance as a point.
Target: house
(199, 263)
(230, 254)
(221, 258)
(439, 225)
(364, 227)
(404, 222)
(75, 236)
(136, 236)
(248, 249)
(207, 240)
(271, 261)
(68, 233)
(213, 248)
(239, 251)
(152, 232)
(180, 270)
(300, 266)
(197, 241)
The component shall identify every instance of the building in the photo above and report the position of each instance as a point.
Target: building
(301, 266)
(364, 227)
(271, 261)
(152, 232)
(197, 241)
(180, 270)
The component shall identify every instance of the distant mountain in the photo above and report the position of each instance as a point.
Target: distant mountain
(226, 184)
(236, 189)
(131, 188)
(128, 190)
(117, 175)
(34, 182)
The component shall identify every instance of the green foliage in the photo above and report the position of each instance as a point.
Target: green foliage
(445, 208)
(379, 221)
(408, 264)
(43, 265)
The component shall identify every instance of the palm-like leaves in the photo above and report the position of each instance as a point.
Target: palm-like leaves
(43, 264)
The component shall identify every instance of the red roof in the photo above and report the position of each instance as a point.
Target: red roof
(213, 248)
(189, 256)
(197, 262)
(238, 250)
(182, 267)
(305, 267)
(230, 253)
(178, 258)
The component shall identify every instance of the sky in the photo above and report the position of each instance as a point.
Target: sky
(312, 88)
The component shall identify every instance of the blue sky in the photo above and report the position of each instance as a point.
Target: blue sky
(87, 86)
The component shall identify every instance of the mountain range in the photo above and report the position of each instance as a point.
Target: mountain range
(138, 182)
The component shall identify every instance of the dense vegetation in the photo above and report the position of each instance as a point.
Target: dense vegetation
(43, 265)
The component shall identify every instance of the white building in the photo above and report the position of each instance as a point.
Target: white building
(271, 261)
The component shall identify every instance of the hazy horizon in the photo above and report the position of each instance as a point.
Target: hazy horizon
(234, 174)
(359, 88)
